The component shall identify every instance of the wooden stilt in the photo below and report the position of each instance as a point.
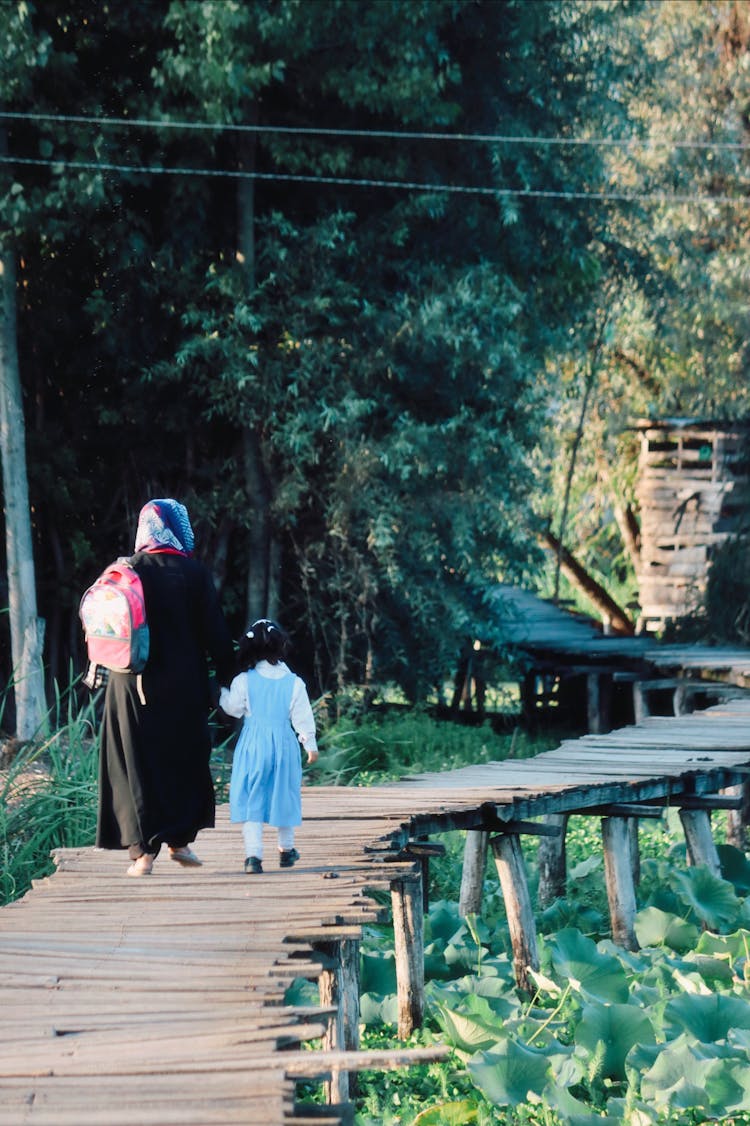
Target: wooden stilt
(408, 931)
(618, 871)
(592, 703)
(700, 842)
(552, 861)
(738, 820)
(598, 702)
(338, 986)
(472, 875)
(635, 852)
(682, 699)
(515, 887)
(641, 708)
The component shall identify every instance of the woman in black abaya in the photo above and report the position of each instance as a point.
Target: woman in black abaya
(155, 785)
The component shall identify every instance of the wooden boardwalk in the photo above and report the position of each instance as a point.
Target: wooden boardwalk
(160, 1000)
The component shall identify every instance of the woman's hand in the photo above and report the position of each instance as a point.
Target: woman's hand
(312, 756)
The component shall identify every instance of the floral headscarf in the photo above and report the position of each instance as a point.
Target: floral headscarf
(164, 525)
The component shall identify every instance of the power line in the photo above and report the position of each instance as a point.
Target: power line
(345, 181)
(381, 134)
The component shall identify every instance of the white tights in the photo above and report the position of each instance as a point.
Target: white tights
(252, 831)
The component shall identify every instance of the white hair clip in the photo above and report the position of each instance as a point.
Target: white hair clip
(250, 634)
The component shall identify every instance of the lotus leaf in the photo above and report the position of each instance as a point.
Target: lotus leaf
(374, 1009)
(435, 965)
(572, 1111)
(467, 1032)
(712, 899)
(735, 947)
(618, 1028)
(499, 996)
(562, 913)
(463, 957)
(378, 973)
(690, 982)
(666, 1083)
(729, 1086)
(585, 868)
(735, 867)
(640, 1059)
(632, 961)
(654, 927)
(708, 1018)
(743, 915)
(740, 1038)
(442, 922)
(638, 1113)
(544, 984)
(577, 959)
(712, 969)
(509, 1072)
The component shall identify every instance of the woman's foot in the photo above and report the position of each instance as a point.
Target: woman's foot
(253, 866)
(143, 866)
(185, 856)
(288, 857)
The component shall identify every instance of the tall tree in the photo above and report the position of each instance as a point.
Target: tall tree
(26, 628)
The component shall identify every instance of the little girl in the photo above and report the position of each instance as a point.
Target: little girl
(267, 770)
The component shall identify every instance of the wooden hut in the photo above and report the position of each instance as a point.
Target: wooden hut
(693, 496)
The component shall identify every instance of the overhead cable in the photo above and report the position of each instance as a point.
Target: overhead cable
(345, 181)
(381, 134)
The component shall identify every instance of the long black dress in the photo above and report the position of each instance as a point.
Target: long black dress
(155, 784)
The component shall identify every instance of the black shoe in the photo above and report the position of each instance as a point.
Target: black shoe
(288, 858)
(253, 866)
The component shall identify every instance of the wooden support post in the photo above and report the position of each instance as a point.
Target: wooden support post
(338, 986)
(682, 700)
(618, 871)
(424, 864)
(552, 862)
(738, 820)
(598, 701)
(472, 875)
(641, 709)
(408, 931)
(700, 843)
(635, 852)
(515, 887)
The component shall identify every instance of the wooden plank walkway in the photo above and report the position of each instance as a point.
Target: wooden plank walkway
(538, 626)
(160, 1000)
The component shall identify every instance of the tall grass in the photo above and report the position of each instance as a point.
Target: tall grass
(48, 796)
(382, 746)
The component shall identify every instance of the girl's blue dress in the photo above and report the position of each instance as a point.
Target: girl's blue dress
(267, 766)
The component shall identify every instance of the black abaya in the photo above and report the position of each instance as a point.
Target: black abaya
(155, 783)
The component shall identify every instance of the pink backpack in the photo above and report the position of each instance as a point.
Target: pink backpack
(113, 613)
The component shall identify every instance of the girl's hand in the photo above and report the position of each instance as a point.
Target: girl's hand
(312, 756)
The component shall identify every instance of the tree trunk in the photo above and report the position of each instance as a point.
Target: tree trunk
(26, 628)
(264, 553)
(625, 518)
(588, 586)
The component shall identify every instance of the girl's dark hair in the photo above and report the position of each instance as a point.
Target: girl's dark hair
(263, 641)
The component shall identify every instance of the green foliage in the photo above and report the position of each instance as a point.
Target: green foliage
(48, 801)
(376, 747)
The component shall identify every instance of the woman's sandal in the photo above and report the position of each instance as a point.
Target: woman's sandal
(185, 856)
(143, 866)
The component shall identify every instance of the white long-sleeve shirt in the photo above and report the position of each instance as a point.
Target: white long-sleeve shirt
(234, 701)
